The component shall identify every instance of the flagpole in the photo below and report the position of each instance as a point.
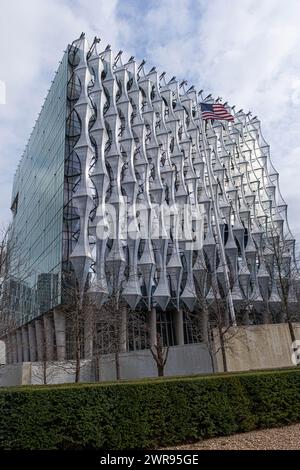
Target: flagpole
(219, 236)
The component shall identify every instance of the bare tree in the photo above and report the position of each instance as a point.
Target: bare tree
(96, 324)
(211, 313)
(45, 371)
(7, 320)
(160, 355)
(284, 270)
(74, 312)
(4, 264)
(110, 331)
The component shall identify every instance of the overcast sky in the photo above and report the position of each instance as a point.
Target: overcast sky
(247, 51)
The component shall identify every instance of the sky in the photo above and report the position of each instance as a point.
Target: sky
(246, 51)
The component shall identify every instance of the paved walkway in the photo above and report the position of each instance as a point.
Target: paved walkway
(285, 438)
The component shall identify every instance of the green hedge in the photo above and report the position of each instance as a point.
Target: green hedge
(146, 414)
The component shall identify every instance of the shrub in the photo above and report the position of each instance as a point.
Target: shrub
(148, 413)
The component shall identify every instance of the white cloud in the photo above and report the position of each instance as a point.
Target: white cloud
(33, 35)
(248, 53)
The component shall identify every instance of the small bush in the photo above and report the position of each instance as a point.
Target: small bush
(148, 413)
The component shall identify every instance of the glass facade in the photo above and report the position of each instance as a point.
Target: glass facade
(37, 206)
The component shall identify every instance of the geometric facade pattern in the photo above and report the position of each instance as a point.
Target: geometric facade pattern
(142, 144)
(161, 208)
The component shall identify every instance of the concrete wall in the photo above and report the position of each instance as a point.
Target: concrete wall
(257, 347)
(15, 374)
(182, 360)
(60, 372)
(249, 347)
(32, 373)
(2, 352)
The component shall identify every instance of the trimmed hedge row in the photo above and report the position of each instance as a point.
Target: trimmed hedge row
(146, 414)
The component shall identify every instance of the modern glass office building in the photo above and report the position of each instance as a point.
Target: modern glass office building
(37, 207)
(127, 188)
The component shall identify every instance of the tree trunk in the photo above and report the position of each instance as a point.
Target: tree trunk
(77, 352)
(160, 358)
(291, 330)
(160, 370)
(222, 344)
(45, 372)
(288, 320)
(210, 347)
(212, 362)
(97, 368)
(77, 366)
(118, 369)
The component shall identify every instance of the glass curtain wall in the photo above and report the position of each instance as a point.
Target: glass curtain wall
(37, 206)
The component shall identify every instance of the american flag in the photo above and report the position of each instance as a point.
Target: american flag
(215, 111)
